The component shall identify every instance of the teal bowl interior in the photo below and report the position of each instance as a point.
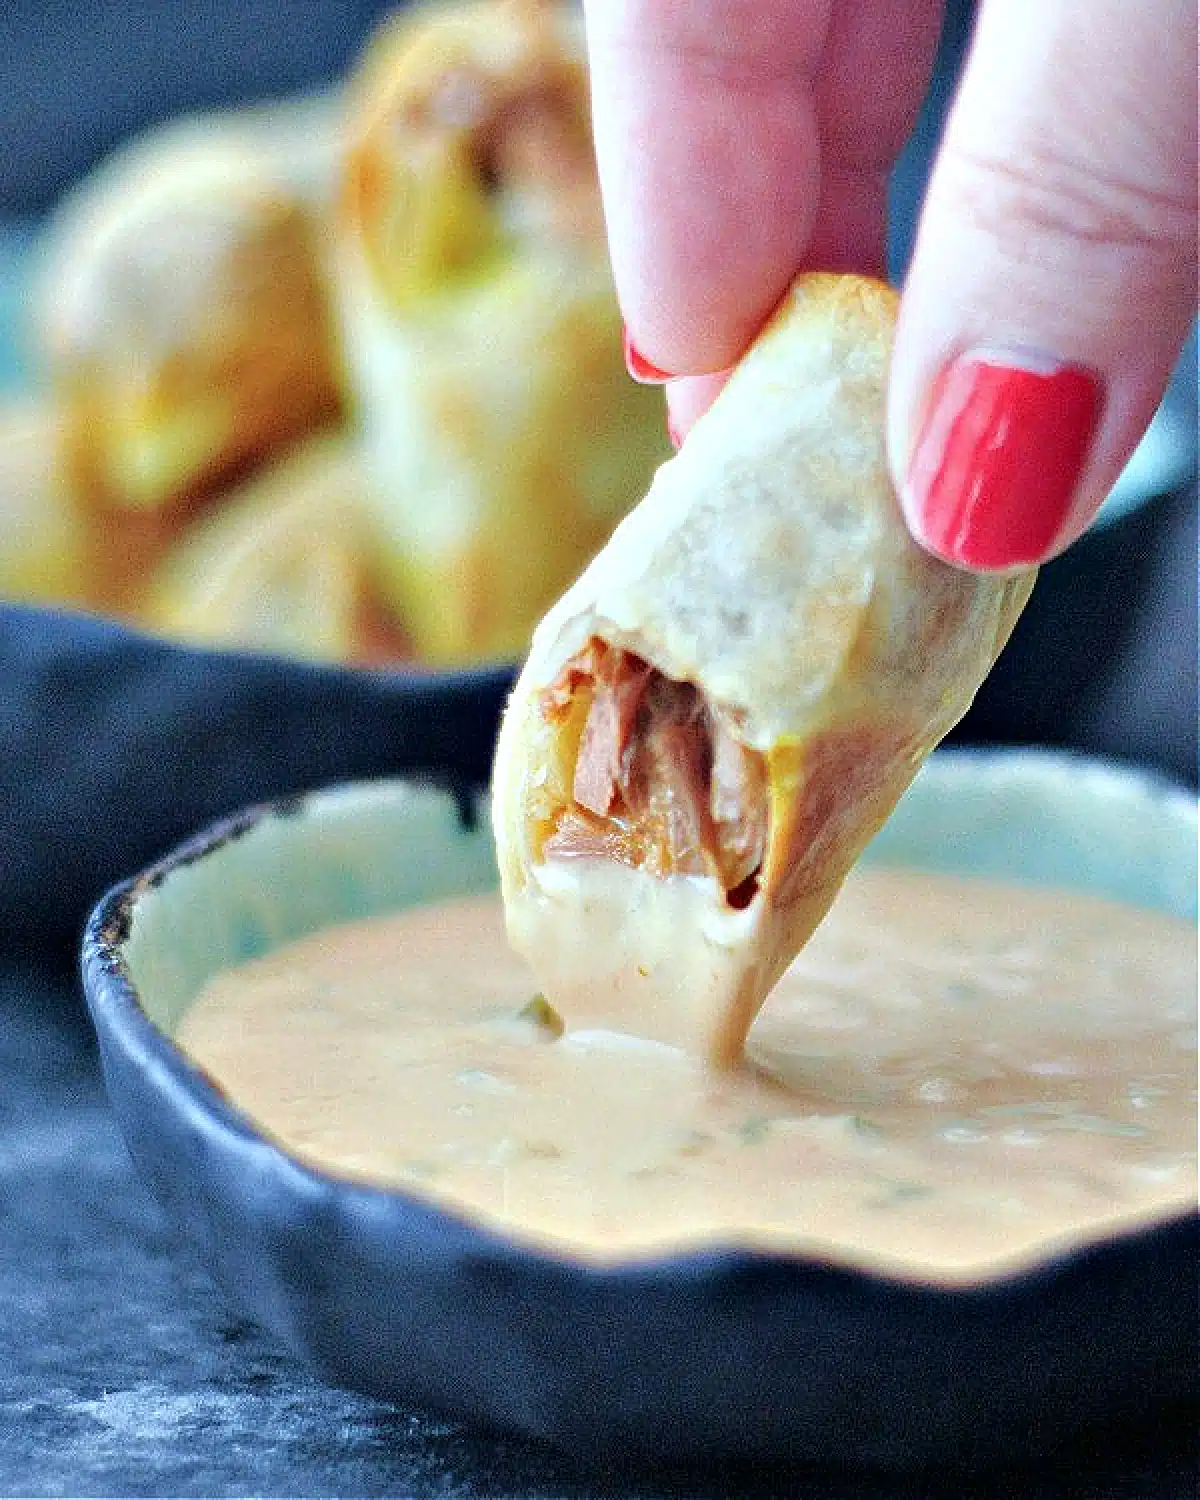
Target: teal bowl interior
(723, 1351)
(265, 879)
(361, 850)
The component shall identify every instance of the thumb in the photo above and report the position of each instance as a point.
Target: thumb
(1054, 276)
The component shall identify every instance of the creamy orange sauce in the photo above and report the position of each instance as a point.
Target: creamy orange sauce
(963, 1075)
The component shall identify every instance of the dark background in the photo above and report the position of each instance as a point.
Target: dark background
(79, 76)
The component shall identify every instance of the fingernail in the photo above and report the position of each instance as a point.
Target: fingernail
(998, 457)
(639, 367)
(674, 433)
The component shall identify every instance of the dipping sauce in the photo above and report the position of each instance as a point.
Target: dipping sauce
(959, 1076)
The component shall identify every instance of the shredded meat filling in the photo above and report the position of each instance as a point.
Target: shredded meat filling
(660, 780)
(536, 150)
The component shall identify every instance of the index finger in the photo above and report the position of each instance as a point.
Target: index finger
(735, 138)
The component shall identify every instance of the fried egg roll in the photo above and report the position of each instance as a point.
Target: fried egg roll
(716, 718)
(183, 309)
(283, 566)
(480, 323)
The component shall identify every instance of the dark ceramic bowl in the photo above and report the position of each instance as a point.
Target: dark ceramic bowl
(720, 1351)
(116, 746)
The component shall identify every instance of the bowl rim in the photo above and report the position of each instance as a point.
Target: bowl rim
(84, 629)
(117, 1014)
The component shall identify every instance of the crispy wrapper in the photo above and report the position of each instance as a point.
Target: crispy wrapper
(183, 308)
(715, 719)
(283, 566)
(480, 323)
(43, 543)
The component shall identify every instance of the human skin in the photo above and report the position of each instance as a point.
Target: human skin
(1053, 278)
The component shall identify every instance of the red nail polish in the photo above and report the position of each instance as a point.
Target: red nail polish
(998, 456)
(640, 368)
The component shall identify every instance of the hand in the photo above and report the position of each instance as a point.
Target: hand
(1054, 275)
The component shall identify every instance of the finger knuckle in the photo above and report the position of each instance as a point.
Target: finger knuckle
(1044, 194)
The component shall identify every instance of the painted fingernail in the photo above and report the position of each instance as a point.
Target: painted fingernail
(998, 456)
(640, 368)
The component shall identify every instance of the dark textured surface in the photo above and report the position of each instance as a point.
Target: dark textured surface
(123, 1373)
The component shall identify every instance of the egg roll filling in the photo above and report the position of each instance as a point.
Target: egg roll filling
(478, 145)
(659, 781)
(533, 151)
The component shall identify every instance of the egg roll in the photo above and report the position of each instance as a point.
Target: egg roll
(480, 324)
(44, 556)
(283, 566)
(183, 310)
(716, 718)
